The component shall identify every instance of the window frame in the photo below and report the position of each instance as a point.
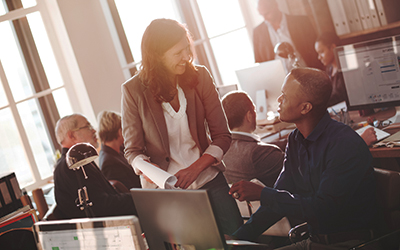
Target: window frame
(42, 92)
(190, 13)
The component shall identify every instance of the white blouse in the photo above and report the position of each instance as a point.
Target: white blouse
(183, 149)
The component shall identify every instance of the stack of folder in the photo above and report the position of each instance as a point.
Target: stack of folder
(351, 16)
(23, 218)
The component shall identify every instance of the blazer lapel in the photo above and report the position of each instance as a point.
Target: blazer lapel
(157, 113)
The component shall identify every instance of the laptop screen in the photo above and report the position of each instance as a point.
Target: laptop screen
(120, 232)
(177, 219)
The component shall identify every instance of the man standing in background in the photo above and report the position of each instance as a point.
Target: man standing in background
(278, 27)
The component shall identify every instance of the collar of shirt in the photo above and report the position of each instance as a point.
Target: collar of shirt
(182, 105)
(254, 136)
(316, 133)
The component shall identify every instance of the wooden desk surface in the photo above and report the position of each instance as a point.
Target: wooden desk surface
(381, 152)
(385, 152)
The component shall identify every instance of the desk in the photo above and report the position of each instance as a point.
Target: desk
(274, 132)
(387, 158)
(384, 152)
(381, 152)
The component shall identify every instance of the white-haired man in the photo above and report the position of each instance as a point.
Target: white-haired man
(71, 130)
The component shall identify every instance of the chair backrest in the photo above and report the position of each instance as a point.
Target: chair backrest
(388, 194)
(388, 191)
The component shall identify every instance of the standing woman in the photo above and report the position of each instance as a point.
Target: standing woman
(170, 109)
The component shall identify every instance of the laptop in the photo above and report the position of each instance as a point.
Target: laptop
(181, 219)
(107, 233)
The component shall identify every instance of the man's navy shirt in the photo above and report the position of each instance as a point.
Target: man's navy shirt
(327, 180)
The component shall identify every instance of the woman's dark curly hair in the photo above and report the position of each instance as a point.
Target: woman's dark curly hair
(159, 37)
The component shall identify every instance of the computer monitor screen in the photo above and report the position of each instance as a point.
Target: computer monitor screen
(371, 73)
(119, 232)
(268, 76)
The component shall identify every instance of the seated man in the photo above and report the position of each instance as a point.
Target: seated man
(327, 178)
(106, 200)
(112, 161)
(248, 157)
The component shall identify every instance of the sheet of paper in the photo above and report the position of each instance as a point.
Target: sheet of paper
(380, 134)
(160, 177)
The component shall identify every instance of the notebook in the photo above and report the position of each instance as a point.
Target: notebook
(107, 233)
(181, 219)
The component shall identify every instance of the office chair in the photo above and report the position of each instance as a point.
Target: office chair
(388, 198)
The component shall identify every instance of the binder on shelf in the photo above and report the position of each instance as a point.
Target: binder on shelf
(338, 17)
(388, 11)
(353, 18)
(363, 11)
(373, 13)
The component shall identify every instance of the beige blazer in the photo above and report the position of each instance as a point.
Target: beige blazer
(144, 128)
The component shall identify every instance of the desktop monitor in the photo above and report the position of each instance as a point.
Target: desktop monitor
(263, 83)
(225, 89)
(371, 73)
(177, 219)
(118, 232)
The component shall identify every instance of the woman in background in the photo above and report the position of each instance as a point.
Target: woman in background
(173, 118)
(112, 162)
(324, 46)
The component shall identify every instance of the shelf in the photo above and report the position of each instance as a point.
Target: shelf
(388, 27)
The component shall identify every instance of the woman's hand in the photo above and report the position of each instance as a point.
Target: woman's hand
(188, 175)
(146, 178)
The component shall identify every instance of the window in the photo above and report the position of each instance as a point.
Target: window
(222, 42)
(32, 94)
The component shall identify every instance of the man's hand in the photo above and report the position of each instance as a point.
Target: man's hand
(246, 191)
(369, 136)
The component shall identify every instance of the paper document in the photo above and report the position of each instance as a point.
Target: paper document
(160, 177)
(380, 134)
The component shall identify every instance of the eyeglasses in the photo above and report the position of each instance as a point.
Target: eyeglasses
(382, 124)
(90, 127)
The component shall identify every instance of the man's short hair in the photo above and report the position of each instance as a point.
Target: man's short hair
(316, 86)
(64, 125)
(236, 104)
(109, 125)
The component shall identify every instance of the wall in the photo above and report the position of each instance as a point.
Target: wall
(94, 51)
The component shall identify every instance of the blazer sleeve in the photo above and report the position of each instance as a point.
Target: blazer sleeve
(214, 114)
(132, 128)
